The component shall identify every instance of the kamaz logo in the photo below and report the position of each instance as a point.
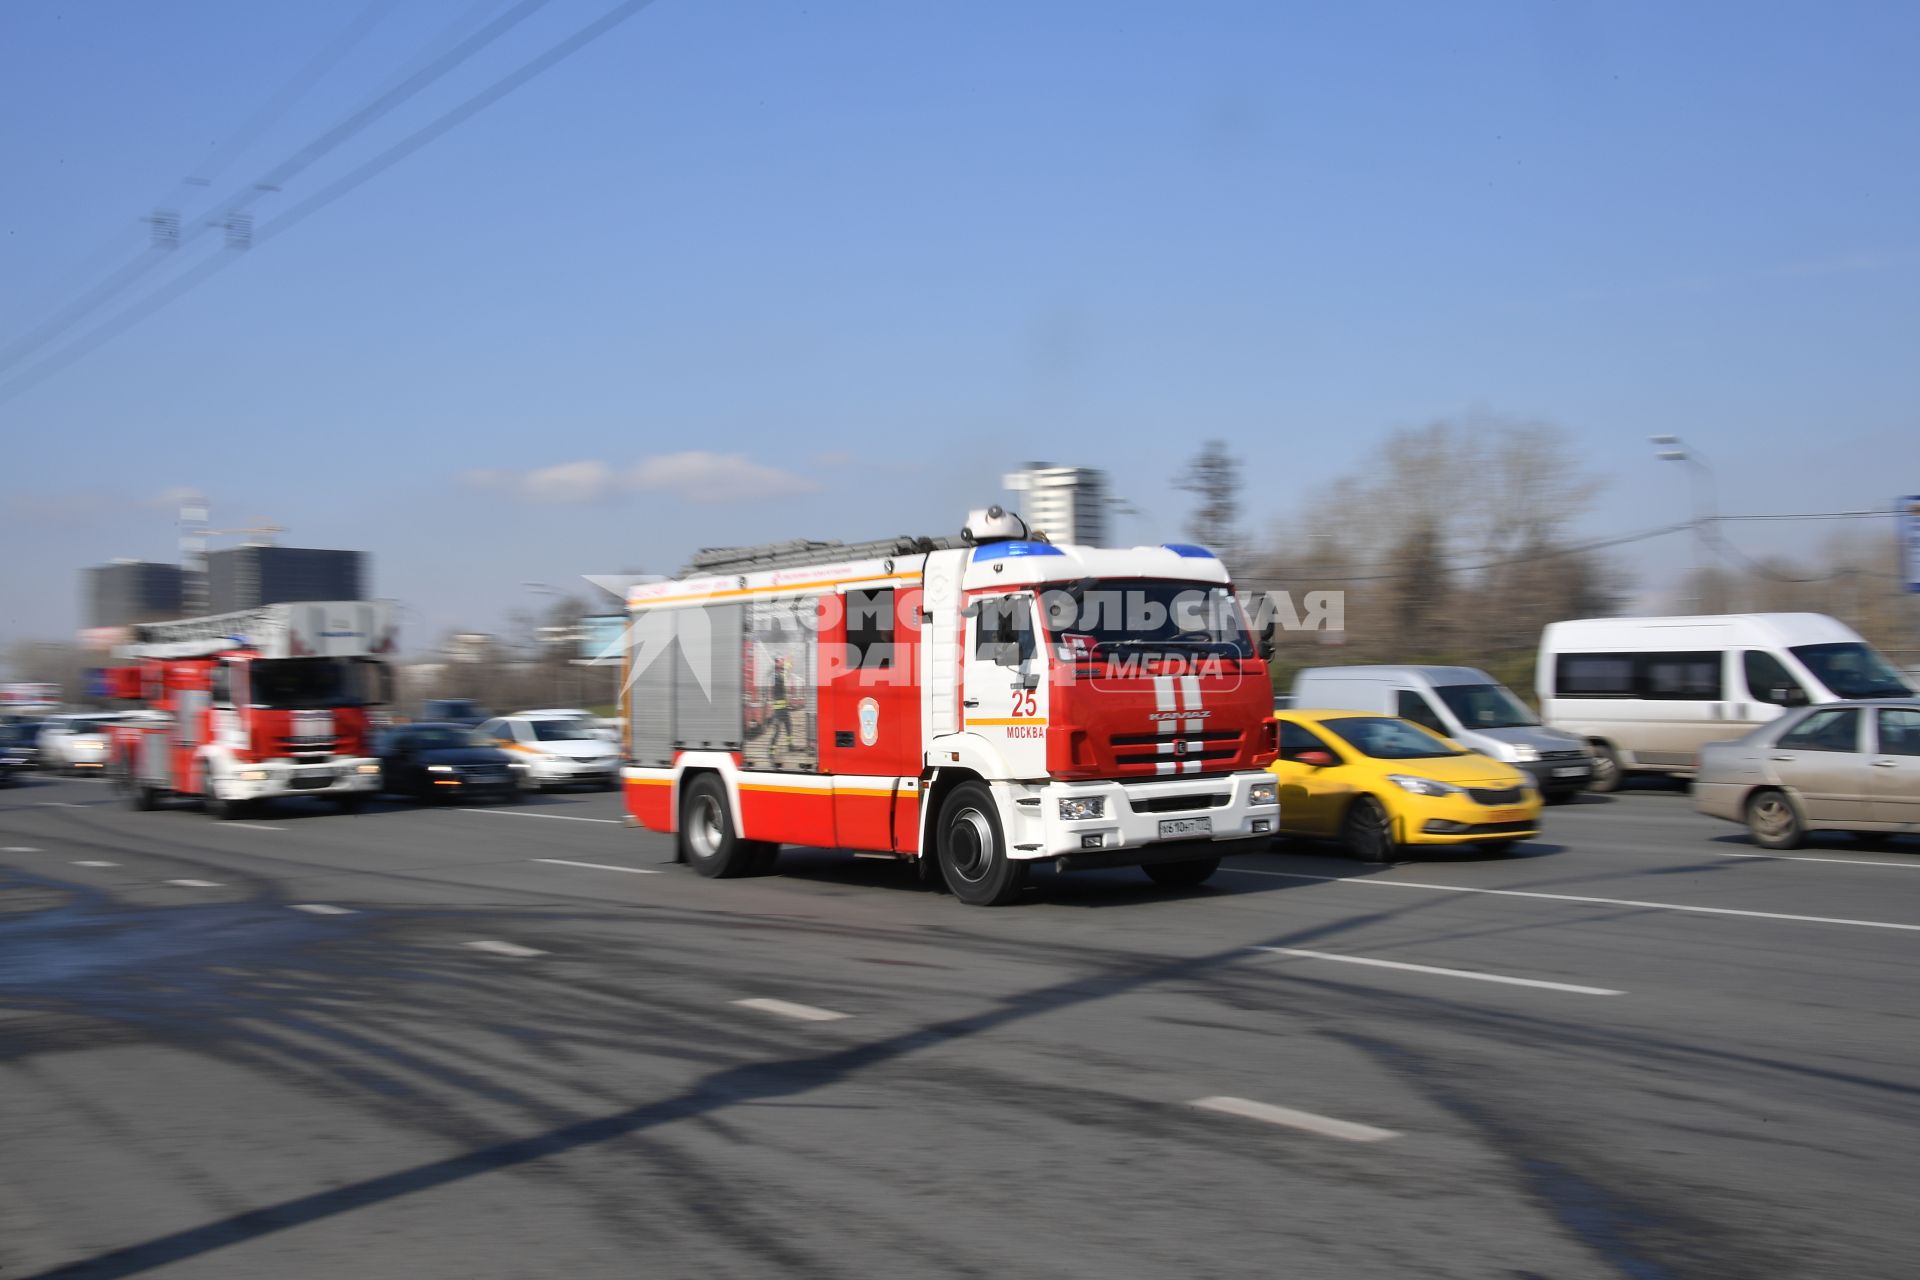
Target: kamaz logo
(1160, 717)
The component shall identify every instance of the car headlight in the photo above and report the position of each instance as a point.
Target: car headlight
(1263, 793)
(439, 768)
(369, 768)
(1525, 754)
(1074, 809)
(253, 775)
(1423, 786)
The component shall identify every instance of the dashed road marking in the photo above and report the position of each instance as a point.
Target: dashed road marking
(1577, 897)
(197, 884)
(505, 949)
(788, 1009)
(321, 909)
(599, 866)
(251, 826)
(1266, 1112)
(19, 848)
(1474, 974)
(557, 817)
(1794, 857)
(93, 862)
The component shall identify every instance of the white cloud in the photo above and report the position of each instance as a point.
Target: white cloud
(569, 483)
(699, 476)
(695, 475)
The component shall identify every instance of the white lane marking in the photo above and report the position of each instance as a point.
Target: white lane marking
(599, 866)
(321, 909)
(1325, 1126)
(94, 863)
(59, 804)
(1474, 974)
(1575, 897)
(1792, 857)
(197, 884)
(557, 817)
(251, 826)
(19, 848)
(788, 1009)
(505, 948)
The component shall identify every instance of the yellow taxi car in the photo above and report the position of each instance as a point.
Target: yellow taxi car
(1380, 785)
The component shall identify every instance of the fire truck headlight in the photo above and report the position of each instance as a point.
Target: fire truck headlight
(1263, 793)
(253, 775)
(1073, 810)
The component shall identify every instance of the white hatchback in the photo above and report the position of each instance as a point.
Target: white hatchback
(556, 749)
(75, 744)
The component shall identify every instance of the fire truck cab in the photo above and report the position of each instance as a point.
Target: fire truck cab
(267, 702)
(978, 705)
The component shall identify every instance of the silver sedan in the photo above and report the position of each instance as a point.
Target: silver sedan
(1843, 766)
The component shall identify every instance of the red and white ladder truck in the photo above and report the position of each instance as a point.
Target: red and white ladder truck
(267, 702)
(978, 705)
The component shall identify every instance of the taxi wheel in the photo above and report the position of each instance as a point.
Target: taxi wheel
(1774, 820)
(1368, 831)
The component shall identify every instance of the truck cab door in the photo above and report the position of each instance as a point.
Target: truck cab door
(870, 739)
(1003, 684)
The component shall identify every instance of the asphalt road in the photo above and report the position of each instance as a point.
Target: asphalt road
(515, 1042)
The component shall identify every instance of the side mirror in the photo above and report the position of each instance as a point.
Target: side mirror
(1796, 696)
(1028, 680)
(1314, 759)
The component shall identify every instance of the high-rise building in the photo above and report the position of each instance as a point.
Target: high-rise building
(130, 591)
(1068, 504)
(246, 577)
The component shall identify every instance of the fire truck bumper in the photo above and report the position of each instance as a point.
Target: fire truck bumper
(1127, 823)
(282, 778)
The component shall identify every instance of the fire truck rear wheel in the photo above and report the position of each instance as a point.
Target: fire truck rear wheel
(973, 852)
(707, 839)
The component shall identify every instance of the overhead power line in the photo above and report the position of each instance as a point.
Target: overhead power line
(1720, 543)
(164, 225)
(223, 213)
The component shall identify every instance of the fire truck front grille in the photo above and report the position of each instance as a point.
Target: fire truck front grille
(307, 748)
(1154, 739)
(1177, 804)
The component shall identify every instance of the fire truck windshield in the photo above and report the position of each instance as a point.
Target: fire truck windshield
(293, 683)
(1145, 616)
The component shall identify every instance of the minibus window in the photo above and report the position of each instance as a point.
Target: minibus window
(1852, 670)
(1769, 681)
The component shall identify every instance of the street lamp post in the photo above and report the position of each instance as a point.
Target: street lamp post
(1705, 506)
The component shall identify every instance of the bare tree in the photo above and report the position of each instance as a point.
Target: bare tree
(1213, 476)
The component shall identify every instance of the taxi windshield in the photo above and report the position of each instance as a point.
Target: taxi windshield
(1386, 739)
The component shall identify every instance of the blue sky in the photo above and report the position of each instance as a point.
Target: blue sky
(741, 271)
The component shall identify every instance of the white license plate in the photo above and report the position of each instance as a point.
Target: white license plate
(1174, 827)
(1571, 771)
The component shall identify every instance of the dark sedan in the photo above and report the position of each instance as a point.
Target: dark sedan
(433, 761)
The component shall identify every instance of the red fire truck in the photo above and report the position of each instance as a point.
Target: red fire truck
(977, 705)
(267, 702)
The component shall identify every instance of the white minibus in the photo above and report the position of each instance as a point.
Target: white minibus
(1647, 693)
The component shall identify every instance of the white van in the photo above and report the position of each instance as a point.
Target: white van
(1462, 703)
(1648, 693)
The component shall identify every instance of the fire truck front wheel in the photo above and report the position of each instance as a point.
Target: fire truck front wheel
(973, 852)
(707, 839)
